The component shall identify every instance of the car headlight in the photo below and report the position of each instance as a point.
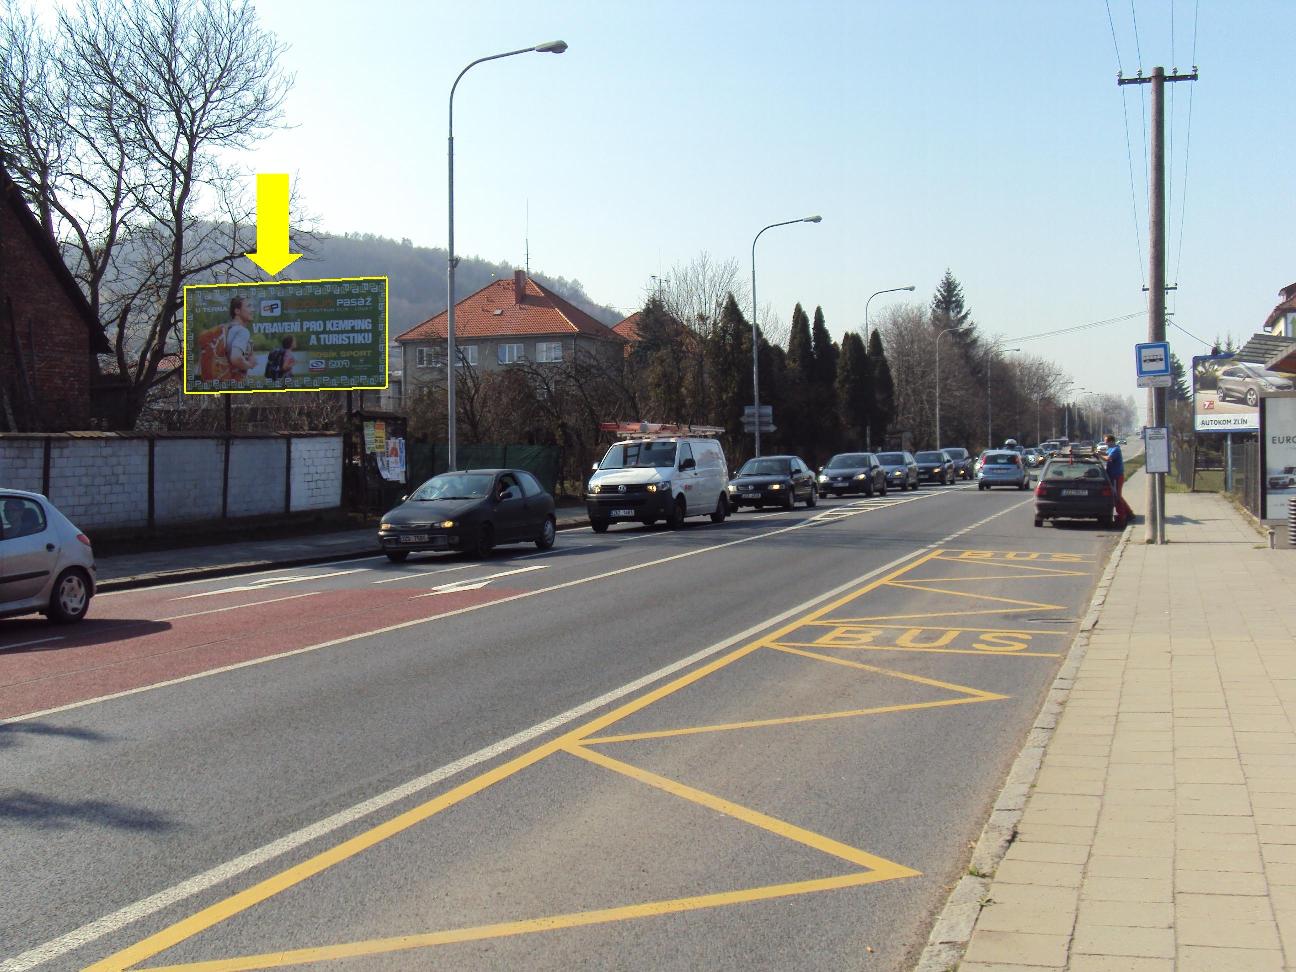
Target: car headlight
(733, 488)
(776, 485)
(386, 526)
(823, 478)
(897, 473)
(861, 475)
(446, 524)
(659, 487)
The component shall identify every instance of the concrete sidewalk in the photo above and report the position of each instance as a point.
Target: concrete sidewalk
(1160, 831)
(217, 560)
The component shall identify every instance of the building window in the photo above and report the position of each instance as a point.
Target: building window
(510, 353)
(467, 354)
(423, 357)
(549, 351)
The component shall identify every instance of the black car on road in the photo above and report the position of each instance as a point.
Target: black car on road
(474, 511)
(900, 468)
(935, 467)
(1074, 489)
(853, 472)
(773, 481)
(962, 461)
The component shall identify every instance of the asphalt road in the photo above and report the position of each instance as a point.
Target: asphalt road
(762, 744)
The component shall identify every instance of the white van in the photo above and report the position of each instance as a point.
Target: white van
(658, 477)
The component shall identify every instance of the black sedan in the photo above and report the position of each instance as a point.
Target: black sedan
(962, 461)
(935, 467)
(472, 511)
(774, 481)
(1074, 490)
(853, 472)
(901, 469)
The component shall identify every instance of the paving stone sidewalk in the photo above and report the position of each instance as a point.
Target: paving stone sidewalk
(1161, 830)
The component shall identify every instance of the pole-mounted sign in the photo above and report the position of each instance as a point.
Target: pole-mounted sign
(1152, 364)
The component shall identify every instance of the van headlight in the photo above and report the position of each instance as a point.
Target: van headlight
(594, 488)
(659, 487)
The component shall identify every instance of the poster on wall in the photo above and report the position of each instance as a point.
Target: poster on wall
(278, 336)
(1277, 454)
(386, 452)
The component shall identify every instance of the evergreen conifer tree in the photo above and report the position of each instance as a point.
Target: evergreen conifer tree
(883, 392)
(854, 390)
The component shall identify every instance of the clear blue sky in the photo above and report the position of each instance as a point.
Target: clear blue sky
(986, 137)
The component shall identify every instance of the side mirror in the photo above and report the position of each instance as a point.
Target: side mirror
(821, 468)
(405, 497)
(689, 463)
(594, 467)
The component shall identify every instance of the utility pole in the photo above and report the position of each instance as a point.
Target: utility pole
(1155, 532)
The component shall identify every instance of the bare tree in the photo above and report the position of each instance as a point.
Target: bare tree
(116, 125)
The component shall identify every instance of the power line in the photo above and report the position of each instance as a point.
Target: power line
(1176, 325)
(1129, 152)
(1077, 327)
(1183, 195)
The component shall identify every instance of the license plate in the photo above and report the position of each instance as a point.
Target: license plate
(414, 538)
(623, 512)
(1075, 492)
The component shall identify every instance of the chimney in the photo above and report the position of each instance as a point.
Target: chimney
(519, 286)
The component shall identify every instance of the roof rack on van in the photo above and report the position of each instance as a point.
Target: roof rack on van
(647, 430)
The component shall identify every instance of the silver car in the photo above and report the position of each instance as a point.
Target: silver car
(46, 563)
(1002, 467)
(1246, 382)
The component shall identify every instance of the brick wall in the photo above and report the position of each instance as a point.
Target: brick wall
(101, 481)
(188, 480)
(317, 473)
(256, 480)
(47, 340)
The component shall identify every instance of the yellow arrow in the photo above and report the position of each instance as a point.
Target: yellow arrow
(272, 223)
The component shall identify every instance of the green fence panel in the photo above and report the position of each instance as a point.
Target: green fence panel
(427, 459)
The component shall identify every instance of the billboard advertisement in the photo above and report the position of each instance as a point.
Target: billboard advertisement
(296, 335)
(1223, 397)
(1278, 455)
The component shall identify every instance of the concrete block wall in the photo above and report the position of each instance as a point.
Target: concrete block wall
(256, 478)
(188, 480)
(316, 473)
(101, 482)
(21, 464)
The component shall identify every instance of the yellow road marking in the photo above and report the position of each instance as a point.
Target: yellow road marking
(977, 578)
(1015, 566)
(380, 946)
(235, 904)
(842, 622)
(933, 614)
(977, 597)
(906, 676)
(938, 651)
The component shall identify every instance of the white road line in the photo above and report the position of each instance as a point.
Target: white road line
(151, 905)
(235, 607)
(208, 580)
(476, 582)
(26, 644)
(420, 573)
(269, 582)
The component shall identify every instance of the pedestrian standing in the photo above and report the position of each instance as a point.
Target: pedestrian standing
(1116, 473)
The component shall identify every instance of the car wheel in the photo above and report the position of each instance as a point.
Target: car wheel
(868, 489)
(813, 499)
(1252, 397)
(485, 542)
(599, 526)
(1023, 484)
(70, 598)
(1105, 520)
(790, 502)
(721, 510)
(548, 533)
(397, 556)
(676, 518)
(884, 487)
(1039, 521)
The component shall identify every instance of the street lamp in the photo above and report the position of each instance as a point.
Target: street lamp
(1066, 414)
(989, 351)
(948, 330)
(755, 337)
(1055, 395)
(911, 288)
(549, 47)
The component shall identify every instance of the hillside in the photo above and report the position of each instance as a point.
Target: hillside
(418, 276)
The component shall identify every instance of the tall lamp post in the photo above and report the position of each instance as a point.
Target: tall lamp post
(549, 47)
(755, 336)
(1061, 389)
(1066, 414)
(993, 349)
(868, 428)
(948, 330)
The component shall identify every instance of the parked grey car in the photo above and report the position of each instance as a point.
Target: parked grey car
(46, 563)
(852, 472)
(1246, 382)
(901, 469)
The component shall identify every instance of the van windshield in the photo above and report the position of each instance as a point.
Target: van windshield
(630, 455)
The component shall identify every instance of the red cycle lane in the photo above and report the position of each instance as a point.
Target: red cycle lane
(119, 648)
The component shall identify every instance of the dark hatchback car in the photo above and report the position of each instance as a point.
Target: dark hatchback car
(1074, 490)
(935, 467)
(474, 511)
(900, 468)
(962, 461)
(853, 472)
(773, 481)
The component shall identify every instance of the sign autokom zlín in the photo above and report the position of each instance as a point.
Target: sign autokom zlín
(299, 335)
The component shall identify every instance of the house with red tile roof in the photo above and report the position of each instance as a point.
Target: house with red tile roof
(506, 322)
(1281, 321)
(629, 328)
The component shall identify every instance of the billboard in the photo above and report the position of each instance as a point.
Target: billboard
(1225, 394)
(1278, 456)
(294, 335)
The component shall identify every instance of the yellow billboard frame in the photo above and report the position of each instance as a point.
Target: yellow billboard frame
(184, 336)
